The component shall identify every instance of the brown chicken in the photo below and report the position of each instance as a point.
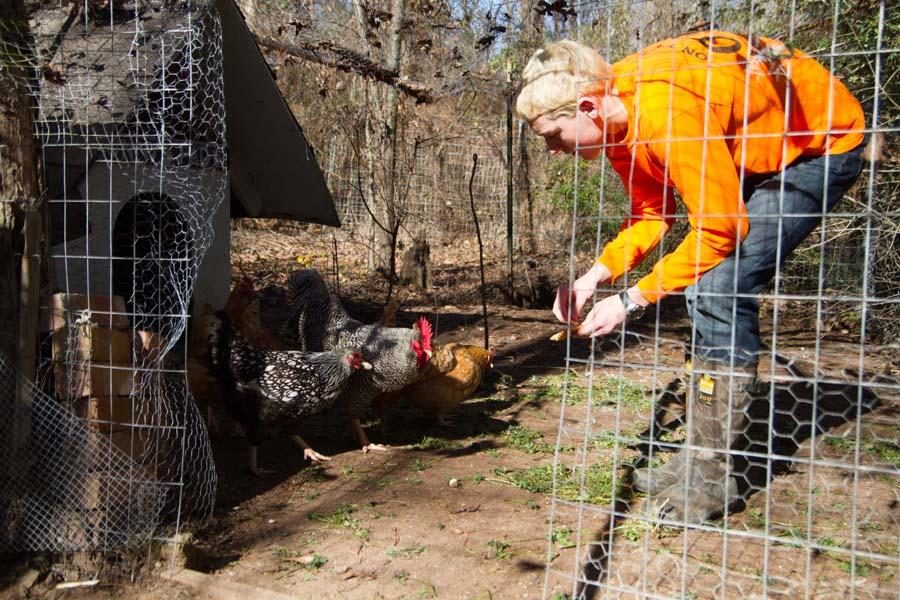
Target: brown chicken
(242, 307)
(453, 374)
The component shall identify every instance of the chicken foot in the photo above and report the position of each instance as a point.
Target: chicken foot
(446, 420)
(364, 439)
(308, 452)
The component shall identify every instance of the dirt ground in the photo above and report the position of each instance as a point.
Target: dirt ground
(473, 510)
(452, 512)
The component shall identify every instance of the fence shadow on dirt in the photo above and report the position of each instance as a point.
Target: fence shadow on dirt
(796, 410)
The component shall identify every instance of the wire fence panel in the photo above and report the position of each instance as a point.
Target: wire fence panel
(433, 188)
(704, 452)
(130, 115)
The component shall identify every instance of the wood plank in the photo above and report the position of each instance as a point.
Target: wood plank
(107, 413)
(105, 311)
(94, 379)
(98, 344)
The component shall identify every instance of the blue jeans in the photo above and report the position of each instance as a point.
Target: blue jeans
(723, 303)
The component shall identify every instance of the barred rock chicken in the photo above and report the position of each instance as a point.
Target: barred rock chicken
(398, 355)
(263, 389)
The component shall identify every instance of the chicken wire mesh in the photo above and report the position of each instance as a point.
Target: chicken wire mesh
(818, 461)
(434, 187)
(130, 114)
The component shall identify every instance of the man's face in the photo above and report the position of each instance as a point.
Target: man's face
(566, 133)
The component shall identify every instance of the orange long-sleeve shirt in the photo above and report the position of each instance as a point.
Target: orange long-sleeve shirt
(702, 111)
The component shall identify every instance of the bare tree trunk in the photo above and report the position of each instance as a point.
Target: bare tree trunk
(8, 288)
(20, 196)
(510, 165)
(384, 216)
(371, 183)
(523, 186)
(533, 27)
(368, 151)
(20, 175)
(388, 239)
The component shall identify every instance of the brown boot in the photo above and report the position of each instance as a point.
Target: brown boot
(706, 486)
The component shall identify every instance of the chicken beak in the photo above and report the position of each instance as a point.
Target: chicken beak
(429, 354)
(366, 365)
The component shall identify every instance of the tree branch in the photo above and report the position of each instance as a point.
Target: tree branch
(330, 54)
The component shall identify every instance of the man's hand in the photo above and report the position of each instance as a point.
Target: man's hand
(582, 289)
(565, 297)
(608, 314)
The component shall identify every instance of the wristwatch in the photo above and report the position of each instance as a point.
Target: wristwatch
(633, 310)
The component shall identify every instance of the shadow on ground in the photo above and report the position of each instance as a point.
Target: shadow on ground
(796, 410)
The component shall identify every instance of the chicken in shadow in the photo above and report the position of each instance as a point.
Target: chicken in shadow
(266, 389)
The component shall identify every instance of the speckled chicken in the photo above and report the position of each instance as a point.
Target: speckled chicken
(243, 310)
(398, 354)
(264, 389)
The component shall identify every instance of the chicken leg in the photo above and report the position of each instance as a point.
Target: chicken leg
(254, 468)
(364, 439)
(445, 420)
(308, 452)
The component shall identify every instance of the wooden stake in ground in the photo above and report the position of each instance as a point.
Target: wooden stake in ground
(480, 251)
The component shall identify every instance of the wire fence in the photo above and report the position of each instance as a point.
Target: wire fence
(130, 115)
(810, 455)
(131, 120)
(434, 191)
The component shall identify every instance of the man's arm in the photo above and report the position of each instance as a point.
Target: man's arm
(702, 169)
(652, 213)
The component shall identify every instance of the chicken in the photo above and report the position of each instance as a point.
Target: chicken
(242, 308)
(264, 389)
(453, 374)
(313, 310)
(448, 382)
(398, 355)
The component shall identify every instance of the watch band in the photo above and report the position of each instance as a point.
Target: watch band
(633, 310)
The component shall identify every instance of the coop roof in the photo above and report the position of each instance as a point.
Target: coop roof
(278, 174)
(101, 72)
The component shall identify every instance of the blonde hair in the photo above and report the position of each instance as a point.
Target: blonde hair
(557, 75)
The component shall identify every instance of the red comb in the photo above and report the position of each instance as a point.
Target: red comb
(426, 331)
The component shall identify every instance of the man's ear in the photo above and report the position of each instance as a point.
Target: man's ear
(590, 106)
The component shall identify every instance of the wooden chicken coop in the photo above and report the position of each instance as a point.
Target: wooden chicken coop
(105, 373)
